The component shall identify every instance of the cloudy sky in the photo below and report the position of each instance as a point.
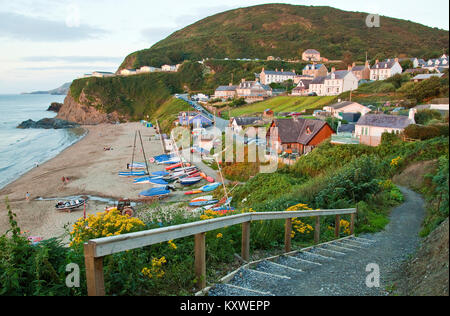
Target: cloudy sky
(45, 43)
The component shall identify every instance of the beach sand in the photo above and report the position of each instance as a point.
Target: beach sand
(91, 171)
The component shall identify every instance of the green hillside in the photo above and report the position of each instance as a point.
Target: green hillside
(283, 104)
(286, 31)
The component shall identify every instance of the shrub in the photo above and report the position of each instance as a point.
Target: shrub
(422, 132)
(424, 116)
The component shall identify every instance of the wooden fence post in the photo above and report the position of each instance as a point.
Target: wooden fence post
(94, 271)
(352, 223)
(245, 249)
(337, 225)
(287, 235)
(200, 260)
(317, 230)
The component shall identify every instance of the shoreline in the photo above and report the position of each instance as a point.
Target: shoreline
(86, 132)
(91, 171)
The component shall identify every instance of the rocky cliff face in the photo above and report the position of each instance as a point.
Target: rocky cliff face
(84, 114)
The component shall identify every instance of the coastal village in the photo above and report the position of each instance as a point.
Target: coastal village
(261, 185)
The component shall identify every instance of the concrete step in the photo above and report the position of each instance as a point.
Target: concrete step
(314, 256)
(327, 252)
(340, 248)
(298, 263)
(258, 280)
(278, 269)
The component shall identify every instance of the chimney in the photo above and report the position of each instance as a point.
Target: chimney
(276, 69)
(243, 80)
(350, 67)
(396, 59)
(293, 70)
(282, 69)
(377, 61)
(262, 70)
(257, 79)
(230, 84)
(354, 64)
(367, 63)
(333, 69)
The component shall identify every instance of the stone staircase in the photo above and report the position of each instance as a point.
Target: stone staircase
(283, 275)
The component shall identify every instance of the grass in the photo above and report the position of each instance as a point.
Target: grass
(168, 112)
(284, 104)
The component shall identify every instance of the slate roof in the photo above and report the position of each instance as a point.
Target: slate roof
(311, 51)
(295, 130)
(358, 68)
(339, 74)
(226, 88)
(280, 73)
(318, 80)
(384, 120)
(384, 64)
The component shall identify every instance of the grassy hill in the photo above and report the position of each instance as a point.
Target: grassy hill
(283, 104)
(286, 31)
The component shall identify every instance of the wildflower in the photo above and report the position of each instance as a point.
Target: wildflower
(219, 235)
(172, 245)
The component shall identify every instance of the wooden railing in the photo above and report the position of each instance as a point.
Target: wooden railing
(96, 249)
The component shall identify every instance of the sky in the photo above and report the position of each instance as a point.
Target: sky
(45, 43)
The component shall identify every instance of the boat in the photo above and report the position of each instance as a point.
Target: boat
(206, 177)
(160, 158)
(156, 192)
(203, 198)
(190, 181)
(223, 208)
(158, 181)
(210, 187)
(136, 165)
(70, 205)
(132, 173)
(160, 173)
(203, 203)
(193, 192)
(146, 179)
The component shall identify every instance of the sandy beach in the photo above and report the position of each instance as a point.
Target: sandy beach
(91, 171)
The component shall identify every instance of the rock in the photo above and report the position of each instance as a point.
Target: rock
(48, 123)
(55, 107)
(86, 114)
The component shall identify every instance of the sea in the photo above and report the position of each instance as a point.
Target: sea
(24, 149)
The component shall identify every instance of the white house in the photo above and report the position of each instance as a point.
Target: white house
(102, 74)
(385, 69)
(346, 107)
(170, 68)
(340, 81)
(145, 69)
(128, 72)
(269, 76)
(371, 127)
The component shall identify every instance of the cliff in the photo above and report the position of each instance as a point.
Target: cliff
(84, 114)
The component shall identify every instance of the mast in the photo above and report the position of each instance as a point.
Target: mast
(143, 151)
(134, 147)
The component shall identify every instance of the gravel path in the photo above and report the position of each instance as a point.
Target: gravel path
(346, 274)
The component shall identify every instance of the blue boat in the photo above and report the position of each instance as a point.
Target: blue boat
(223, 208)
(132, 173)
(203, 203)
(160, 173)
(143, 180)
(158, 181)
(210, 187)
(155, 192)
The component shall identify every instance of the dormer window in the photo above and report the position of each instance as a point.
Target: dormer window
(308, 130)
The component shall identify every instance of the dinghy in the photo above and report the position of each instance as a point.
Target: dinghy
(156, 192)
(190, 181)
(136, 165)
(160, 173)
(158, 181)
(193, 192)
(132, 173)
(69, 205)
(203, 203)
(203, 198)
(210, 187)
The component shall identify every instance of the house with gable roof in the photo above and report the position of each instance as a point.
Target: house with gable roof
(270, 76)
(371, 127)
(361, 72)
(315, 70)
(340, 81)
(311, 55)
(297, 135)
(385, 69)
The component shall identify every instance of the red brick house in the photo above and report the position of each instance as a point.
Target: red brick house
(297, 135)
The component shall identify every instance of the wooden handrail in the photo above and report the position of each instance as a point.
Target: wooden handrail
(96, 249)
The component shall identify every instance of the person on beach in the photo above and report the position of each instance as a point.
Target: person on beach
(63, 180)
(27, 196)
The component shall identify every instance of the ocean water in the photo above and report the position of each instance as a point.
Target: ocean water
(22, 149)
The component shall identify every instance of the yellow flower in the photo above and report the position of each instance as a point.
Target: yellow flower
(172, 245)
(219, 235)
